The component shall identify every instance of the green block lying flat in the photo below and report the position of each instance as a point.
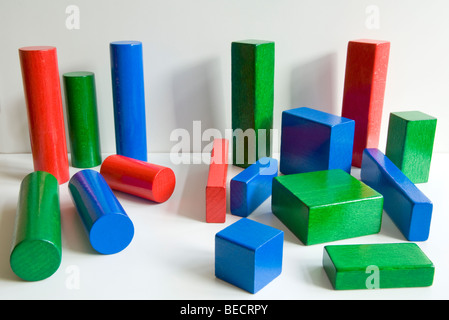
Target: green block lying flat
(252, 100)
(377, 266)
(326, 206)
(410, 143)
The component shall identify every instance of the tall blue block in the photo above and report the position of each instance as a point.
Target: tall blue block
(406, 205)
(129, 99)
(313, 140)
(251, 187)
(109, 228)
(248, 254)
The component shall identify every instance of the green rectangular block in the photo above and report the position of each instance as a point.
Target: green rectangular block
(252, 100)
(326, 206)
(410, 141)
(377, 266)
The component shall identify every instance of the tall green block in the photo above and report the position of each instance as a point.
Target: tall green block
(81, 104)
(324, 206)
(252, 100)
(377, 266)
(410, 141)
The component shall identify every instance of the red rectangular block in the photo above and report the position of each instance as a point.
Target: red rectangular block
(364, 90)
(216, 182)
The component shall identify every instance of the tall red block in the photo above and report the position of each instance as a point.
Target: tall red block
(42, 90)
(216, 182)
(364, 90)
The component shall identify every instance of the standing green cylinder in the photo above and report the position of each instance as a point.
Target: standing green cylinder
(36, 247)
(81, 103)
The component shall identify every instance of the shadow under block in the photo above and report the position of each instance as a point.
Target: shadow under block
(248, 254)
(216, 182)
(313, 140)
(325, 206)
(410, 141)
(252, 100)
(36, 247)
(406, 205)
(251, 187)
(81, 103)
(377, 266)
(109, 228)
(364, 90)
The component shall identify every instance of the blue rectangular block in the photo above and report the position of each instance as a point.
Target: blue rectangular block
(407, 206)
(251, 187)
(313, 140)
(248, 254)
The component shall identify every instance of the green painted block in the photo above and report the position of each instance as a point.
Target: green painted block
(377, 266)
(410, 141)
(252, 100)
(326, 206)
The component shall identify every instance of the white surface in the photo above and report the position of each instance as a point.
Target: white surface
(172, 253)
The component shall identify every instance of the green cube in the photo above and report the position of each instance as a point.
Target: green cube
(377, 266)
(410, 143)
(252, 100)
(326, 206)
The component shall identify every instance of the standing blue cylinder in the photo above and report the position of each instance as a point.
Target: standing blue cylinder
(109, 228)
(129, 99)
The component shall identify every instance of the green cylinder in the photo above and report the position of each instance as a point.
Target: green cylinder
(36, 247)
(81, 104)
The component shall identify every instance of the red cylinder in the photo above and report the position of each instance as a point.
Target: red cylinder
(42, 89)
(139, 178)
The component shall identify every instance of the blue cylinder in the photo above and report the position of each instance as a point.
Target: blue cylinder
(109, 228)
(129, 99)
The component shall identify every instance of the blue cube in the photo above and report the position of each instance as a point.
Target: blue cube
(248, 254)
(313, 140)
(251, 187)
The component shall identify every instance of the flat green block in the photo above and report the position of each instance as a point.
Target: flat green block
(326, 206)
(377, 266)
(252, 100)
(410, 143)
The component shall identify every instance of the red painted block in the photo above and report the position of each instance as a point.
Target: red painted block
(42, 90)
(216, 182)
(364, 90)
(139, 178)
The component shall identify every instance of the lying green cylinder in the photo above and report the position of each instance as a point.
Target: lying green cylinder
(36, 247)
(82, 118)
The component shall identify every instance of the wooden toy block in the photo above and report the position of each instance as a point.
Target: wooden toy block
(42, 89)
(377, 266)
(248, 254)
(142, 179)
(406, 205)
(251, 187)
(129, 99)
(364, 90)
(81, 105)
(216, 182)
(109, 228)
(313, 140)
(252, 100)
(324, 206)
(410, 140)
(36, 247)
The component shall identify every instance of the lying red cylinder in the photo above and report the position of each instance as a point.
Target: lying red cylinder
(139, 178)
(42, 90)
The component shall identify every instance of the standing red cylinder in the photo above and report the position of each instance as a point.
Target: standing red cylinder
(139, 178)
(42, 90)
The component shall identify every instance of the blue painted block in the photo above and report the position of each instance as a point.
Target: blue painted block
(251, 187)
(248, 254)
(313, 140)
(407, 206)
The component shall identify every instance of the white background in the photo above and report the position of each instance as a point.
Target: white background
(187, 78)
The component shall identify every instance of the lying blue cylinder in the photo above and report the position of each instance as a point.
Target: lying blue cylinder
(129, 99)
(109, 228)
